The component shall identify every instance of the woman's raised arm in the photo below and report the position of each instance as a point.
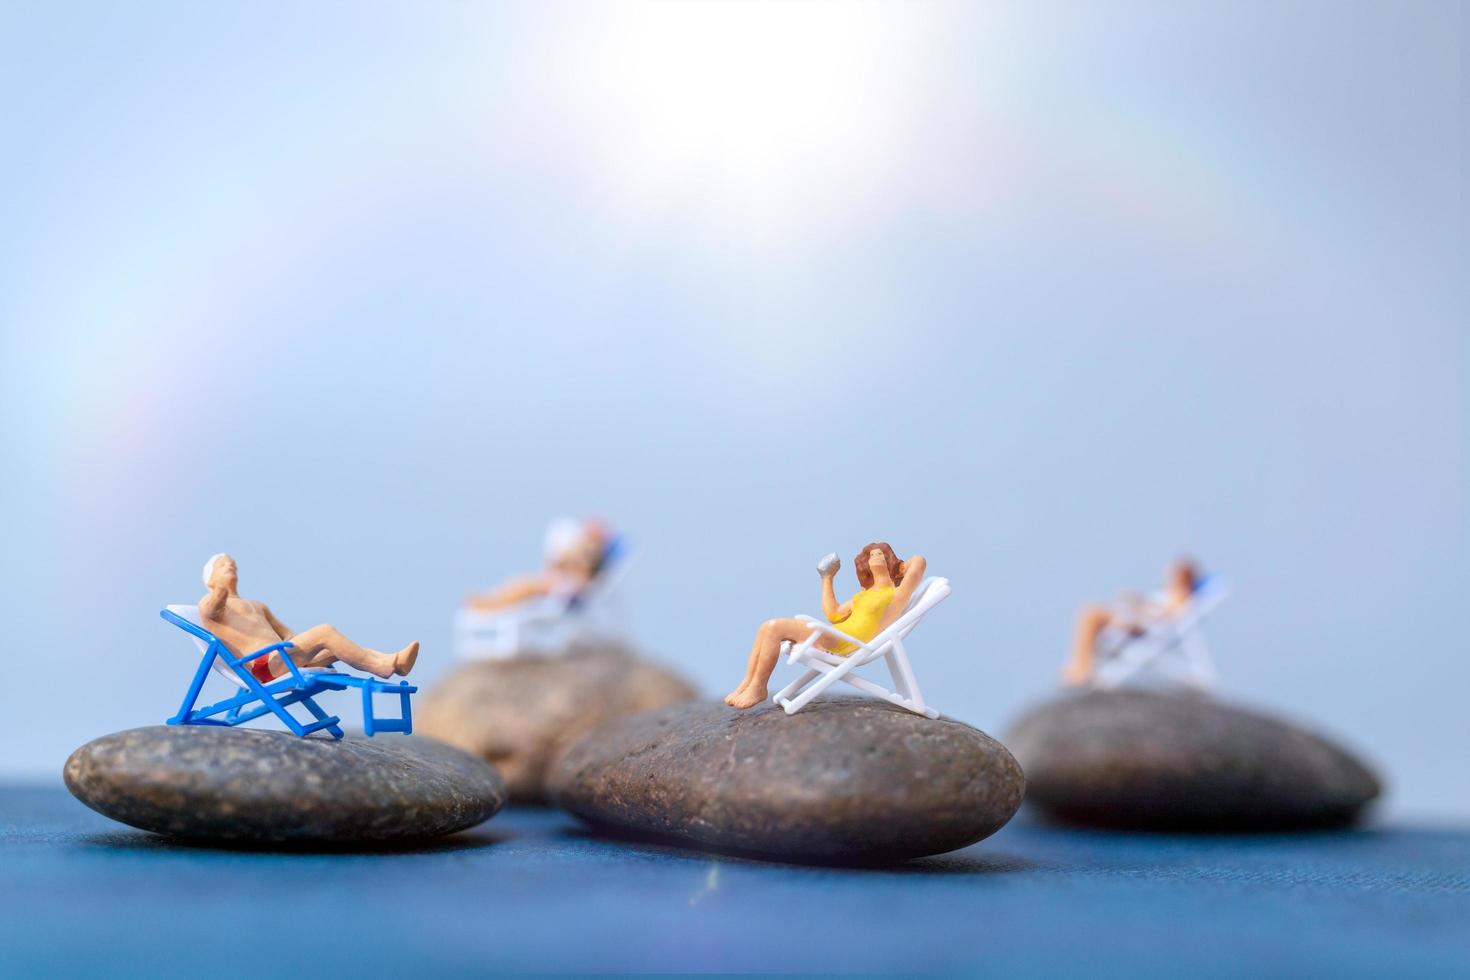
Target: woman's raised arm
(913, 574)
(834, 612)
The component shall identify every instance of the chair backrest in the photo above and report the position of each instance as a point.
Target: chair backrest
(187, 619)
(929, 594)
(610, 571)
(1209, 593)
(1128, 654)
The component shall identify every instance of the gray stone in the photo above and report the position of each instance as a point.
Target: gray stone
(1150, 760)
(250, 786)
(522, 712)
(844, 780)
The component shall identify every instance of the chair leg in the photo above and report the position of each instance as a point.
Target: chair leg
(268, 700)
(1132, 658)
(879, 691)
(195, 686)
(1197, 658)
(369, 726)
(821, 684)
(902, 673)
(790, 690)
(309, 703)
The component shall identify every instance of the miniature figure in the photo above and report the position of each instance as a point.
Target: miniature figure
(575, 553)
(273, 668)
(887, 586)
(1111, 643)
(245, 626)
(555, 608)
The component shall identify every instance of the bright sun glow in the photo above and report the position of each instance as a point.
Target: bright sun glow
(755, 113)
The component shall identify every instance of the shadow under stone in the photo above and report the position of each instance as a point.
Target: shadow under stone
(143, 841)
(1107, 822)
(937, 864)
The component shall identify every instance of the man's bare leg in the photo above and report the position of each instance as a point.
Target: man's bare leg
(323, 645)
(1091, 621)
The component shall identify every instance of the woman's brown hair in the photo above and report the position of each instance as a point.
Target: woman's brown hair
(865, 574)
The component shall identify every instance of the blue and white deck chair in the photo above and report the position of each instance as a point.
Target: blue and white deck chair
(297, 686)
(1170, 652)
(552, 623)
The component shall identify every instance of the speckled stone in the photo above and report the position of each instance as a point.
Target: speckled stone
(845, 780)
(243, 785)
(1150, 760)
(522, 712)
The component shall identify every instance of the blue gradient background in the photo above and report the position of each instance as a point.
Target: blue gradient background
(363, 294)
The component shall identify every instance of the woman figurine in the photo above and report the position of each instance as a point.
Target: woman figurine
(888, 584)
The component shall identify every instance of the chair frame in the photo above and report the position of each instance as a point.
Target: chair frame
(1123, 659)
(824, 669)
(297, 686)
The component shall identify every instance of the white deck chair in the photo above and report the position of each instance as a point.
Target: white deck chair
(550, 623)
(1171, 651)
(824, 669)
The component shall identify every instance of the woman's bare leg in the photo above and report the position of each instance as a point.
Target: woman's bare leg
(755, 655)
(750, 663)
(769, 638)
(1091, 621)
(323, 645)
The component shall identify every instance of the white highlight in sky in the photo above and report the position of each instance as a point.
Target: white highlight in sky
(756, 116)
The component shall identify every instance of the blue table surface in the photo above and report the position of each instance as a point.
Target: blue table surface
(532, 891)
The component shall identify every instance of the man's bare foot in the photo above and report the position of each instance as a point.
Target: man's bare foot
(404, 659)
(748, 697)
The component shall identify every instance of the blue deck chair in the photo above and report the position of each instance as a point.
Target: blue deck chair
(298, 686)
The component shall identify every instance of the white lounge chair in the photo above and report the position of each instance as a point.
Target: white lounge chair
(824, 669)
(1171, 651)
(549, 623)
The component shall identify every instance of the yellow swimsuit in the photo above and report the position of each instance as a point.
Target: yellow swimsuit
(868, 607)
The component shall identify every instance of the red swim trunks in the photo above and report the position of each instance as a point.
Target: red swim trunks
(261, 668)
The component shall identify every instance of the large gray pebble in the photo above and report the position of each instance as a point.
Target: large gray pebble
(520, 713)
(844, 780)
(241, 785)
(1150, 760)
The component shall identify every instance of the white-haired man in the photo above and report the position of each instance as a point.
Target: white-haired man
(245, 626)
(574, 550)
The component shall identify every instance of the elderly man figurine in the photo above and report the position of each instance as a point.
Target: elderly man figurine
(245, 626)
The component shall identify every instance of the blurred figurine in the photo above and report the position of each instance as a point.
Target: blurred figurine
(245, 626)
(574, 553)
(887, 586)
(1112, 643)
(554, 607)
